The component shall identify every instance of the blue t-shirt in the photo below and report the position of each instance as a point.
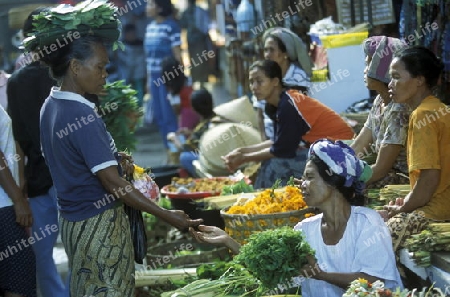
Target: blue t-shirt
(76, 145)
(160, 38)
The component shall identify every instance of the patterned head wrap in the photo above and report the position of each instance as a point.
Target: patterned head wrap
(297, 50)
(382, 50)
(341, 160)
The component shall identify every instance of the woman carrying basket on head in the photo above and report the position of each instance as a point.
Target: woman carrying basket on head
(79, 152)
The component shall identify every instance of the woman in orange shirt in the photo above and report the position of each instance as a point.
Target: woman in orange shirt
(415, 73)
(296, 118)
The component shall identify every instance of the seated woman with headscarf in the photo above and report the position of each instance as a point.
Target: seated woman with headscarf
(350, 241)
(291, 53)
(296, 118)
(386, 128)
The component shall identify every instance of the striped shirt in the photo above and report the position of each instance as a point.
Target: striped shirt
(160, 38)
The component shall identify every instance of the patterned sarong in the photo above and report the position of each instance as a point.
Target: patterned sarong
(403, 225)
(100, 252)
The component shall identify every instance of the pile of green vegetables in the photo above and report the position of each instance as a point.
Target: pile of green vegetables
(275, 256)
(120, 111)
(235, 281)
(435, 238)
(237, 188)
(269, 260)
(89, 17)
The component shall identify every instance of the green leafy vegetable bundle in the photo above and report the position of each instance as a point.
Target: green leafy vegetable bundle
(236, 281)
(237, 188)
(275, 256)
(120, 112)
(90, 17)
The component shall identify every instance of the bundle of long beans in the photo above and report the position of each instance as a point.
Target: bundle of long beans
(373, 199)
(435, 238)
(392, 192)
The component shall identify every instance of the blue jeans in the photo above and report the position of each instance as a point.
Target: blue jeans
(186, 159)
(163, 113)
(45, 213)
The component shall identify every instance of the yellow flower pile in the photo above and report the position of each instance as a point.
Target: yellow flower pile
(270, 201)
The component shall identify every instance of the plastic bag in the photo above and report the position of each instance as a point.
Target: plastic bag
(138, 235)
(137, 226)
(143, 182)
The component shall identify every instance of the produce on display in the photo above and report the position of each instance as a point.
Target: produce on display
(373, 199)
(363, 288)
(275, 256)
(270, 201)
(435, 238)
(269, 209)
(237, 188)
(236, 281)
(392, 192)
(200, 185)
(268, 261)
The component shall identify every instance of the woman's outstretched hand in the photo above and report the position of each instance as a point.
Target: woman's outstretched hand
(180, 220)
(210, 234)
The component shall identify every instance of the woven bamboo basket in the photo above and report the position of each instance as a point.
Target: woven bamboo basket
(18, 15)
(240, 227)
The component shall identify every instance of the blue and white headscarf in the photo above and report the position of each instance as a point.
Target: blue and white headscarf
(342, 160)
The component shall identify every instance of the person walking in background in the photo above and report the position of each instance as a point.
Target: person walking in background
(27, 89)
(131, 61)
(162, 40)
(196, 21)
(179, 94)
(18, 264)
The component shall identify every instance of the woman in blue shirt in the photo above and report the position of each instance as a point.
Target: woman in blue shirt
(79, 152)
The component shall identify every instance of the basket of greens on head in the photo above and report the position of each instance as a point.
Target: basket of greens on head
(57, 27)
